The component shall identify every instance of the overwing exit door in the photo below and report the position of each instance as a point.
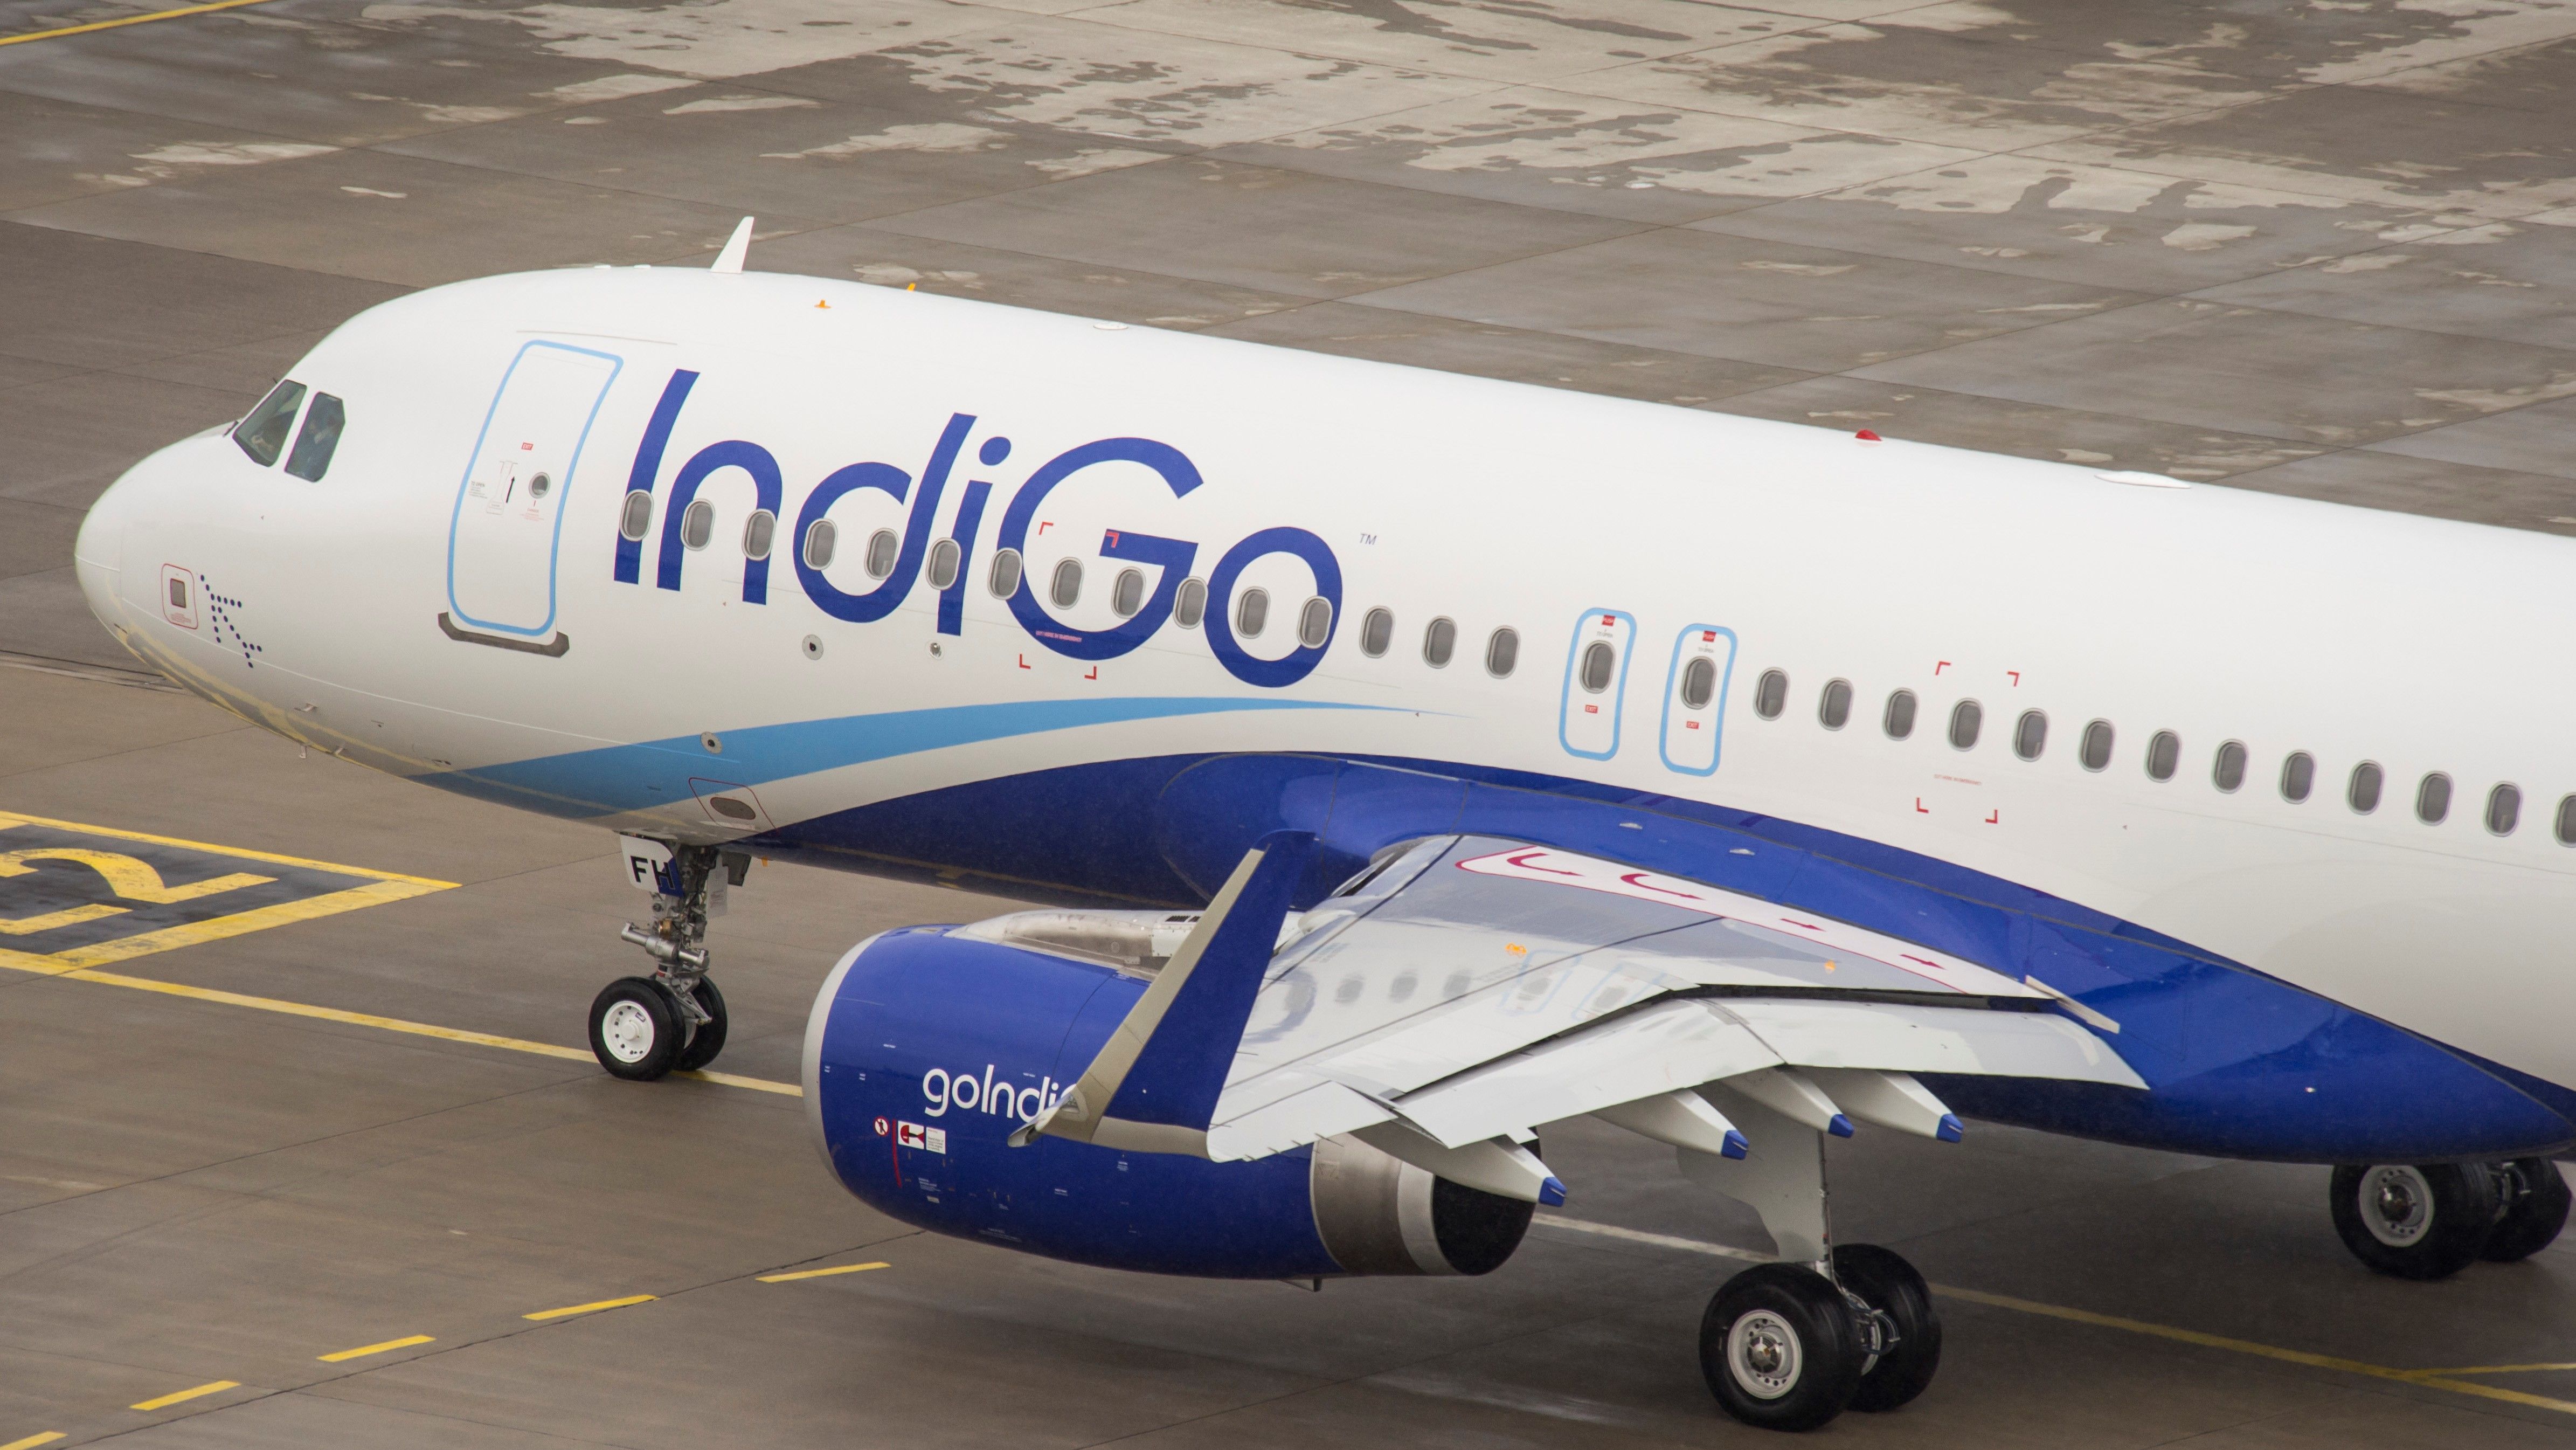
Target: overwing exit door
(502, 538)
(1596, 680)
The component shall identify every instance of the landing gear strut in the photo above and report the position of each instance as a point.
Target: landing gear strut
(644, 1027)
(2431, 1220)
(1791, 1345)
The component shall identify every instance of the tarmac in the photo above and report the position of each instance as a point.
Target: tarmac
(298, 1142)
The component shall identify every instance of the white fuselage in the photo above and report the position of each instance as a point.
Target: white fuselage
(2219, 615)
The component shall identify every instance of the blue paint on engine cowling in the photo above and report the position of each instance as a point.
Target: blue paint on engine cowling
(927, 1050)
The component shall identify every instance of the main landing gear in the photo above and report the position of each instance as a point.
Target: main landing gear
(2431, 1220)
(1834, 1327)
(642, 1028)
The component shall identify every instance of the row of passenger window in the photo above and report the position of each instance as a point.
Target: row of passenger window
(1126, 591)
(2362, 789)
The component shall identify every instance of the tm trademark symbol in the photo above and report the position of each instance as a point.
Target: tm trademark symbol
(1368, 538)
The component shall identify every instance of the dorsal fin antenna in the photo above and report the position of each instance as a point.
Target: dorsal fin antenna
(736, 248)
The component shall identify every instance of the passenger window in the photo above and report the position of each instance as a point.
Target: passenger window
(946, 557)
(1502, 652)
(1599, 659)
(1252, 612)
(2030, 734)
(1191, 605)
(2229, 772)
(1128, 594)
(1900, 714)
(1833, 708)
(262, 432)
(2363, 795)
(1439, 642)
(2433, 799)
(1004, 581)
(1699, 682)
(320, 434)
(1068, 583)
(1770, 694)
(2504, 809)
(1377, 631)
(1966, 718)
(758, 531)
(883, 546)
(636, 516)
(1315, 622)
(2164, 753)
(2095, 752)
(2567, 821)
(698, 524)
(2298, 776)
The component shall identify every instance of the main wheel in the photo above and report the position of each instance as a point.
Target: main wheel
(1780, 1348)
(709, 1039)
(635, 1029)
(2534, 1216)
(1890, 1285)
(2416, 1221)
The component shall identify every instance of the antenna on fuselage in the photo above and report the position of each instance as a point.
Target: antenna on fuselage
(736, 247)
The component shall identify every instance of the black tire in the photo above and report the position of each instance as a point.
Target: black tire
(2532, 1220)
(2415, 1221)
(1888, 1284)
(709, 1039)
(1780, 1348)
(635, 1029)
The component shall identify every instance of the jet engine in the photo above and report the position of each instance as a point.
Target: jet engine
(929, 1046)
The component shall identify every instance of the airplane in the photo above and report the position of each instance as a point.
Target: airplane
(1402, 763)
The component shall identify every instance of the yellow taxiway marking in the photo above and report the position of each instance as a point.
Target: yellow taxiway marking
(45, 1437)
(568, 1312)
(111, 25)
(127, 877)
(79, 963)
(2440, 1379)
(164, 1402)
(362, 1351)
(2473, 1369)
(820, 1273)
(238, 853)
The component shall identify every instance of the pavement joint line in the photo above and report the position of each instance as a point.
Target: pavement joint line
(64, 30)
(41, 1437)
(214, 1387)
(362, 1351)
(570, 1310)
(803, 1274)
(2440, 1379)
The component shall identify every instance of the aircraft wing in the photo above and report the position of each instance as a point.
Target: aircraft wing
(1471, 988)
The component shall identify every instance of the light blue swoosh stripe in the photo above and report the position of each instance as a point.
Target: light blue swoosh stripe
(657, 772)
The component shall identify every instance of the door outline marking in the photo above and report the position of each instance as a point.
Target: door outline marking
(563, 504)
(1717, 714)
(1617, 694)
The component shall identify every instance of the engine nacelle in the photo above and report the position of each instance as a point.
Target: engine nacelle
(928, 1046)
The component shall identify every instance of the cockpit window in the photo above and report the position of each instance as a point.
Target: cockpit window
(320, 434)
(263, 433)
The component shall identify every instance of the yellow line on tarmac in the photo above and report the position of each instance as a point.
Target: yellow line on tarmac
(2440, 1379)
(45, 1437)
(808, 1274)
(165, 1401)
(362, 1351)
(2473, 1369)
(21, 818)
(566, 1313)
(111, 25)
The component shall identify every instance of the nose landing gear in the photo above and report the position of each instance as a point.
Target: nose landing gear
(642, 1028)
(2431, 1220)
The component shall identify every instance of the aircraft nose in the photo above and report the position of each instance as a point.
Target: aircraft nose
(98, 554)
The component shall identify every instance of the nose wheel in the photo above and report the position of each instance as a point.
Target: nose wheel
(643, 1028)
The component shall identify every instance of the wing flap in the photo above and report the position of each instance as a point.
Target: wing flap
(1654, 1050)
(1895, 1038)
